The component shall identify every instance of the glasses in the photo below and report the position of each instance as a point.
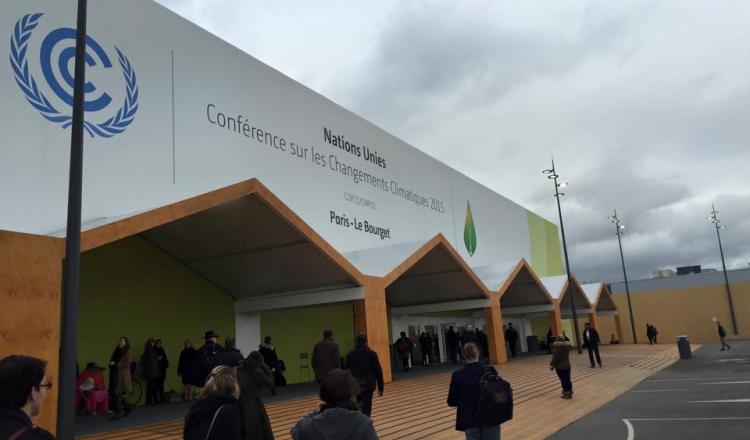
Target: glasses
(47, 385)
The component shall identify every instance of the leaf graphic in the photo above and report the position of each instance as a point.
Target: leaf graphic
(470, 234)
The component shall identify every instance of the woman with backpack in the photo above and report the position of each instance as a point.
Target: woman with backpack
(465, 394)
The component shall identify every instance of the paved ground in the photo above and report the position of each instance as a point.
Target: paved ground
(704, 397)
(415, 408)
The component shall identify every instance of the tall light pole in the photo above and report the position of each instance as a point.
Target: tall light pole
(552, 175)
(620, 228)
(71, 264)
(714, 218)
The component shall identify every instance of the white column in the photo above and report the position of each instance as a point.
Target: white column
(527, 331)
(247, 331)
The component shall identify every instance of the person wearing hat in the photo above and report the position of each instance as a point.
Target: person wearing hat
(91, 392)
(208, 351)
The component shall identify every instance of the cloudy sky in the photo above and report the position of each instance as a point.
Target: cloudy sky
(645, 105)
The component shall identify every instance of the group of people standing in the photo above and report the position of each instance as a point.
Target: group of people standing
(455, 341)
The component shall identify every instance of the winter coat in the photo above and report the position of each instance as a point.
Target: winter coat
(561, 355)
(334, 424)
(120, 378)
(229, 357)
(207, 352)
(189, 367)
(463, 394)
(451, 338)
(229, 423)
(13, 421)
(425, 344)
(268, 352)
(257, 424)
(150, 363)
(163, 362)
(325, 357)
(591, 337)
(511, 334)
(403, 346)
(365, 367)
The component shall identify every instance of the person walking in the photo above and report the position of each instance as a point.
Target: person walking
(254, 375)
(550, 340)
(591, 341)
(561, 364)
(425, 347)
(150, 371)
(654, 332)
(365, 366)
(511, 335)
(228, 355)
(189, 369)
(268, 351)
(464, 394)
(208, 351)
(120, 382)
(161, 354)
(218, 415)
(325, 356)
(338, 416)
(451, 340)
(403, 348)
(23, 389)
(722, 336)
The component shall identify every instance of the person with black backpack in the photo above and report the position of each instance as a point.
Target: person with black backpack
(483, 400)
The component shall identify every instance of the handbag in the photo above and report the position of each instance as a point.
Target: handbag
(211, 426)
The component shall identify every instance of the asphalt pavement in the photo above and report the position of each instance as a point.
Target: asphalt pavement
(706, 397)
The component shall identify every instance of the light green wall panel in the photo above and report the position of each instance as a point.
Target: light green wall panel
(296, 331)
(546, 257)
(129, 288)
(540, 327)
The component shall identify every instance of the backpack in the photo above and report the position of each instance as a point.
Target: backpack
(495, 399)
(402, 346)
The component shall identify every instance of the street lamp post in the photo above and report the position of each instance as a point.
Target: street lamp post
(619, 227)
(552, 175)
(714, 218)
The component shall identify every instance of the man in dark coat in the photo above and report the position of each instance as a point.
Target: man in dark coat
(722, 336)
(326, 355)
(268, 351)
(24, 387)
(208, 351)
(228, 355)
(464, 393)
(365, 367)
(403, 349)
(451, 340)
(425, 346)
(163, 362)
(591, 341)
(511, 335)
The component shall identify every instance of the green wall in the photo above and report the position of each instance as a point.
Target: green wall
(540, 327)
(129, 288)
(546, 258)
(296, 331)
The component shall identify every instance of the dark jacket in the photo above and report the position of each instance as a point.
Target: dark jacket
(722, 333)
(334, 424)
(467, 337)
(425, 344)
(150, 363)
(161, 355)
(451, 338)
(269, 355)
(229, 423)
(257, 424)
(12, 422)
(592, 338)
(229, 357)
(365, 367)
(404, 346)
(464, 395)
(189, 367)
(325, 357)
(511, 334)
(561, 355)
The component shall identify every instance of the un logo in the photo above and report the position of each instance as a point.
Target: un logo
(53, 59)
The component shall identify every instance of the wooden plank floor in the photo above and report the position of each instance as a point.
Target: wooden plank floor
(416, 409)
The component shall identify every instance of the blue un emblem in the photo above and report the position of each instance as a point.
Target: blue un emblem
(53, 59)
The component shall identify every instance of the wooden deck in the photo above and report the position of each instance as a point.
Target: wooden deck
(416, 409)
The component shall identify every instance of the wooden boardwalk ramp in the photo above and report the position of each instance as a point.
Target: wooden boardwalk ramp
(416, 409)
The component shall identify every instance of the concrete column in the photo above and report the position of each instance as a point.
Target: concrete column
(494, 329)
(555, 321)
(247, 331)
(371, 317)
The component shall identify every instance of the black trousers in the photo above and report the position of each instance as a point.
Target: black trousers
(405, 362)
(594, 349)
(365, 400)
(512, 345)
(567, 385)
(160, 394)
(452, 349)
(152, 391)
